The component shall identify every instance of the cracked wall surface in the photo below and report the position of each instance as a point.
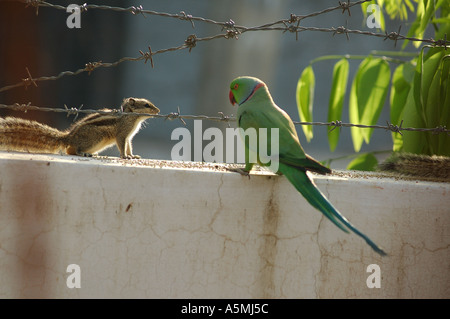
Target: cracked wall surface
(141, 231)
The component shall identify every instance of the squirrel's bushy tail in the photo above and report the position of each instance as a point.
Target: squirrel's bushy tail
(29, 136)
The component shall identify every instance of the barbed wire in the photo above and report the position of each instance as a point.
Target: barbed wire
(288, 24)
(221, 118)
(292, 24)
(232, 31)
(344, 6)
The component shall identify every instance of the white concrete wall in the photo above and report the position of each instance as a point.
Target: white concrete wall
(155, 230)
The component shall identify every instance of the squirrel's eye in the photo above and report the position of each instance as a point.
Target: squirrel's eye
(147, 105)
(236, 86)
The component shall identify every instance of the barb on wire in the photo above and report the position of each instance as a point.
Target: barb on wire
(221, 118)
(292, 28)
(191, 41)
(73, 111)
(293, 25)
(232, 31)
(226, 118)
(175, 115)
(148, 56)
(395, 128)
(441, 129)
(345, 7)
(137, 10)
(83, 7)
(442, 42)
(188, 17)
(91, 66)
(393, 36)
(229, 25)
(33, 3)
(335, 124)
(340, 30)
(29, 80)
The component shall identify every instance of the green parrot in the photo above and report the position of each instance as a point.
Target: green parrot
(256, 109)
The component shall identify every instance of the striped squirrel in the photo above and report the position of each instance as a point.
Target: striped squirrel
(90, 135)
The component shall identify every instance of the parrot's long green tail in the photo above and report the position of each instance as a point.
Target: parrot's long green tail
(314, 196)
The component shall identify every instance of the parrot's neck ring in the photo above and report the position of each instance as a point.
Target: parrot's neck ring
(257, 86)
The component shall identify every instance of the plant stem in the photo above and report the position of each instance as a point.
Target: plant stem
(354, 57)
(330, 160)
(394, 53)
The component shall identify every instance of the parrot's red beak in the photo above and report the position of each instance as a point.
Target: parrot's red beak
(232, 99)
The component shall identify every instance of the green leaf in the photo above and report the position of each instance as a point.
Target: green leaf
(412, 30)
(413, 142)
(417, 84)
(410, 6)
(401, 86)
(437, 107)
(432, 95)
(423, 105)
(397, 9)
(433, 109)
(364, 162)
(440, 2)
(339, 86)
(304, 98)
(444, 139)
(441, 20)
(354, 112)
(397, 142)
(427, 65)
(367, 97)
(430, 67)
(425, 11)
(428, 14)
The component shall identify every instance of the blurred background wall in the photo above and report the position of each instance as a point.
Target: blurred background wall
(195, 81)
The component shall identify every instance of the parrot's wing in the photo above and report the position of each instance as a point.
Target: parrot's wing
(290, 149)
(307, 163)
(270, 117)
(245, 121)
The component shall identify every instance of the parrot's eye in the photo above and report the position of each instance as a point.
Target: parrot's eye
(236, 86)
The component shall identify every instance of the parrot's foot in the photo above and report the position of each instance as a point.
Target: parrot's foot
(240, 171)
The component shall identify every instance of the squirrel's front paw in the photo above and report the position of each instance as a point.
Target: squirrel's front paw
(131, 156)
(84, 154)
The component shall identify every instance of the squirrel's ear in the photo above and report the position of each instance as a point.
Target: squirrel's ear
(131, 101)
